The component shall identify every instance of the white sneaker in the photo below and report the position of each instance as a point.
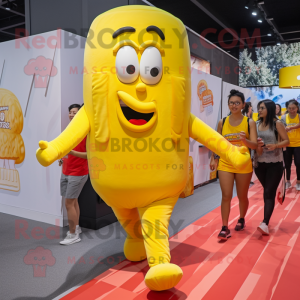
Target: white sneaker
(263, 228)
(287, 185)
(77, 230)
(298, 186)
(70, 239)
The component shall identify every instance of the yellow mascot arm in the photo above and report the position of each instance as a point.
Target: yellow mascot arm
(239, 157)
(76, 131)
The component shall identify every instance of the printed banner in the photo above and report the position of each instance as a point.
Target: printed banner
(274, 93)
(206, 105)
(35, 92)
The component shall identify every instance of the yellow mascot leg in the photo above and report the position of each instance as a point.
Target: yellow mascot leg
(155, 222)
(134, 248)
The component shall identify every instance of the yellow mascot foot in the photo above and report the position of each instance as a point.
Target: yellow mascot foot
(163, 277)
(134, 249)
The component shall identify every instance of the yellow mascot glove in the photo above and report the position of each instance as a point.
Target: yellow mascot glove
(75, 132)
(239, 157)
(46, 154)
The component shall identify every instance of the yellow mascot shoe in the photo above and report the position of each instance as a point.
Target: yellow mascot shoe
(163, 277)
(134, 249)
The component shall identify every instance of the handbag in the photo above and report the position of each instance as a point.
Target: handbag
(280, 193)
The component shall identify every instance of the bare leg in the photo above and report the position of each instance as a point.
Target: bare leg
(72, 214)
(242, 187)
(77, 211)
(226, 183)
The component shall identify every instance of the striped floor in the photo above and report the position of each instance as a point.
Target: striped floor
(247, 266)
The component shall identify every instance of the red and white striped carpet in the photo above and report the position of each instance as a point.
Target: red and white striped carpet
(247, 266)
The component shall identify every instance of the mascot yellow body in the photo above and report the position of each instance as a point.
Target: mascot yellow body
(137, 67)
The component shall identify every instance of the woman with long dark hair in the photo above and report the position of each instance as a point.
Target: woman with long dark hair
(278, 111)
(292, 121)
(239, 131)
(247, 111)
(268, 158)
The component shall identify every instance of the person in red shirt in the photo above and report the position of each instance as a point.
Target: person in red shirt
(73, 178)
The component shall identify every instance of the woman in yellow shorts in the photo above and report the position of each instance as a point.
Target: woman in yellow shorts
(239, 131)
(292, 121)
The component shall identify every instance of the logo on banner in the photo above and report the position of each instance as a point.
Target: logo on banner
(39, 258)
(206, 97)
(43, 68)
(3, 124)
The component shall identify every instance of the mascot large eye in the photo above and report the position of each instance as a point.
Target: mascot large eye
(127, 65)
(151, 66)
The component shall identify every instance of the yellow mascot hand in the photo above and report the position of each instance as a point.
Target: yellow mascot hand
(239, 157)
(46, 154)
(76, 131)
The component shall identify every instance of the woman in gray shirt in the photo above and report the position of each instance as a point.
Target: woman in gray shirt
(268, 158)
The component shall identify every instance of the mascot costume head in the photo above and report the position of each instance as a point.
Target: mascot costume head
(136, 115)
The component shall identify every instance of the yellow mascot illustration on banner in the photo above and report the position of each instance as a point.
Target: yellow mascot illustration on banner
(12, 149)
(206, 97)
(201, 87)
(136, 115)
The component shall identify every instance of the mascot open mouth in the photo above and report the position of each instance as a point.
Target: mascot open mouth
(135, 115)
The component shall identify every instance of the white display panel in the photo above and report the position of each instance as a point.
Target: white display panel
(39, 197)
(209, 113)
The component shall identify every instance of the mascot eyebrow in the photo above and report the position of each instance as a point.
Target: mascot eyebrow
(157, 30)
(123, 30)
(131, 29)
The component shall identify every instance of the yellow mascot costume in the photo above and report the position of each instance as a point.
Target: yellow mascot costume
(136, 115)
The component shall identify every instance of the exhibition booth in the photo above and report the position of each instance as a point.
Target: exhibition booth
(44, 75)
(146, 130)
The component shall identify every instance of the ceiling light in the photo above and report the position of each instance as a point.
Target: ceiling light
(254, 13)
(278, 40)
(247, 7)
(269, 34)
(8, 5)
(260, 21)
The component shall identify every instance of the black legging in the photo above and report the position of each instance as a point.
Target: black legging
(269, 175)
(288, 159)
